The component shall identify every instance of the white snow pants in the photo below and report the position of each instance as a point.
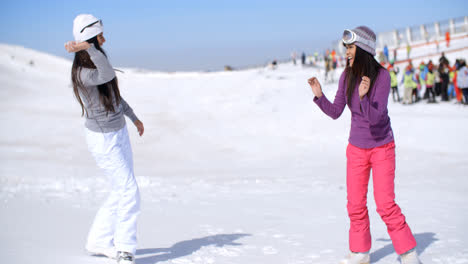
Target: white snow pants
(115, 224)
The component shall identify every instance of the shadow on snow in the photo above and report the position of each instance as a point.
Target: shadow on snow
(185, 248)
(423, 241)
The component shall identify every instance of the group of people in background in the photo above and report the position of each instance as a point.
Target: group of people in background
(331, 60)
(306, 60)
(427, 81)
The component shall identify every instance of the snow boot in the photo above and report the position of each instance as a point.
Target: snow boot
(410, 257)
(356, 258)
(102, 251)
(125, 258)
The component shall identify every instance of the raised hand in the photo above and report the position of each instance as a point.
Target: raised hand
(316, 87)
(72, 46)
(364, 86)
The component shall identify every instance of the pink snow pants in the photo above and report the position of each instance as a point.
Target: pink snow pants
(382, 162)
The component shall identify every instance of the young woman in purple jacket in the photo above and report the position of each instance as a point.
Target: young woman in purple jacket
(365, 86)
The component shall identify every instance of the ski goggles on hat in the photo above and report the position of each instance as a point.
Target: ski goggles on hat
(92, 24)
(349, 37)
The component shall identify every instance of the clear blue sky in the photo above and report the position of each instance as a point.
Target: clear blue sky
(206, 35)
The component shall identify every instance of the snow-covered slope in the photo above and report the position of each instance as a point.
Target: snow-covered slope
(234, 167)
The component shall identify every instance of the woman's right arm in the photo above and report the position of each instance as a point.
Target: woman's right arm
(336, 109)
(103, 72)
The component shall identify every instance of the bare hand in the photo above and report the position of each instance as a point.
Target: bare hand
(72, 46)
(364, 86)
(316, 87)
(140, 127)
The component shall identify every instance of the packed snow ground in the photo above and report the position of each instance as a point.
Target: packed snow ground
(234, 168)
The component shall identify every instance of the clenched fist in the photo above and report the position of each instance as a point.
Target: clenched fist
(364, 86)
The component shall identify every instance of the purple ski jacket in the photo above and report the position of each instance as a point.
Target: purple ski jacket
(370, 123)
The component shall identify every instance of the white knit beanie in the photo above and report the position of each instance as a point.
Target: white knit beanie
(84, 29)
(365, 33)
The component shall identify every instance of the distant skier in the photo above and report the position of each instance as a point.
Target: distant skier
(385, 52)
(113, 232)
(447, 38)
(451, 86)
(274, 65)
(462, 80)
(437, 80)
(444, 77)
(328, 66)
(430, 79)
(394, 83)
(443, 60)
(293, 57)
(365, 86)
(409, 83)
(421, 77)
(458, 91)
(408, 51)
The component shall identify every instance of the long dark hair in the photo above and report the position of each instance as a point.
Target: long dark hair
(107, 91)
(364, 65)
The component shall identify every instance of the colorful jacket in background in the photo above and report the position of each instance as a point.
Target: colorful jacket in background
(462, 78)
(422, 74)
(409, 80)
(393, 79)
(430, 79)
(451, 75)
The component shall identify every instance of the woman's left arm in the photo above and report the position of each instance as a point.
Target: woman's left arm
(374, 106)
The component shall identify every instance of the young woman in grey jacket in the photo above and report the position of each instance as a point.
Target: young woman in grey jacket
(113, 232)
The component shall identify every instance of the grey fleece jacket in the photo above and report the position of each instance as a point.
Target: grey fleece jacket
(97, 118)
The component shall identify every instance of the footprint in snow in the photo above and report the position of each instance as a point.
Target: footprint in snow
(269, 250)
